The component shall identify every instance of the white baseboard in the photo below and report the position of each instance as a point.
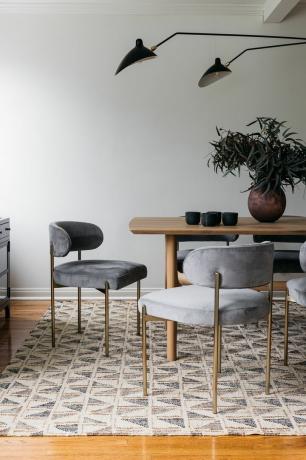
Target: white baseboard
(91, 294)
(71, 293)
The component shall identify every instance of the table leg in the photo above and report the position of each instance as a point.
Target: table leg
(171, 281)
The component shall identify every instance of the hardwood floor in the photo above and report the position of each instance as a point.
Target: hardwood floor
(12, 334)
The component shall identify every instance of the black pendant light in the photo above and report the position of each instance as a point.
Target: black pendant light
(214, 73)
(137, 54)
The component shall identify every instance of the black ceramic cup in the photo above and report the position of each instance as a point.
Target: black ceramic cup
(229, 218)
(209, 219)
(219, 215)
(192, 217)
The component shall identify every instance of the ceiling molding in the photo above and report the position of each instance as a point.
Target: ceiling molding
(139, 7)
(132, 7)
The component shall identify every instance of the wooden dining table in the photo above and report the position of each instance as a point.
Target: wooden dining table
(172, 227)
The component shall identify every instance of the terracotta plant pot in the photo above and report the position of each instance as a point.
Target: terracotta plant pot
(267, 207)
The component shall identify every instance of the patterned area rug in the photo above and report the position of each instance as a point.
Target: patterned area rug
(75, 390)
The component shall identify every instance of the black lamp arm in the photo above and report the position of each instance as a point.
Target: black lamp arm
(262, 48)
(211, 34)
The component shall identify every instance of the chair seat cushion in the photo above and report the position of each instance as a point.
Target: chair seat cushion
(95, 273)
(195, 305)
(297, 290)
(287, 261)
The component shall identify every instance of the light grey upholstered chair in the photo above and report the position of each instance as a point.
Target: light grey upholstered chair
(220, 294)
(181, 254)
(102, 275)
(296, 292)
(285, 260)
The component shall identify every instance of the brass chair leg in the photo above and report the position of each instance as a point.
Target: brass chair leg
(138, 313)
(79, 302)
(269, 343)
(286, 329)
(52, 315)
(217, 344)
(79, 311)
(106, 340)
(144, 352)
(215, 369)
(52, 301)
(220, 348)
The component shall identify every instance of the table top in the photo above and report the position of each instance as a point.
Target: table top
(286, 225)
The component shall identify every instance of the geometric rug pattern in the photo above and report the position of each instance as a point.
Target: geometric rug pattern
(75, 390)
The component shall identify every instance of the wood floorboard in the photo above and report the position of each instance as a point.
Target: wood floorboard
(12, 334)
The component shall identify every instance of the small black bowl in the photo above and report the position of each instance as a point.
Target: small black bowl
(192, 217)
(210, 219)
(219, 215)
(230, 218)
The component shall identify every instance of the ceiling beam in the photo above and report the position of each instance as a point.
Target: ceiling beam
(277, 10)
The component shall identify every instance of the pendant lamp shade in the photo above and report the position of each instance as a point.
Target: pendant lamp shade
(137, 54)
(214, 73)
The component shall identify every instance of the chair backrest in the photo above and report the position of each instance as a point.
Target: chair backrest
(243, 266)
(280, 238)
(69, 236)
(225, 238)
(303, 257)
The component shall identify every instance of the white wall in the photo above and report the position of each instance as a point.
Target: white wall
(78, 143)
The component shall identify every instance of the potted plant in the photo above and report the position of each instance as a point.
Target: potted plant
(274, 157)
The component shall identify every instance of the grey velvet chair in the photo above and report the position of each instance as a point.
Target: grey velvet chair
(285, 260)
(220, 294)
(183, 253)
(102, 275)
(295, 292)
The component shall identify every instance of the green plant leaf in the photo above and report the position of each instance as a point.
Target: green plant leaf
(273, 156)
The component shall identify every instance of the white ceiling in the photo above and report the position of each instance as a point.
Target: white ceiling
(233, 7)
